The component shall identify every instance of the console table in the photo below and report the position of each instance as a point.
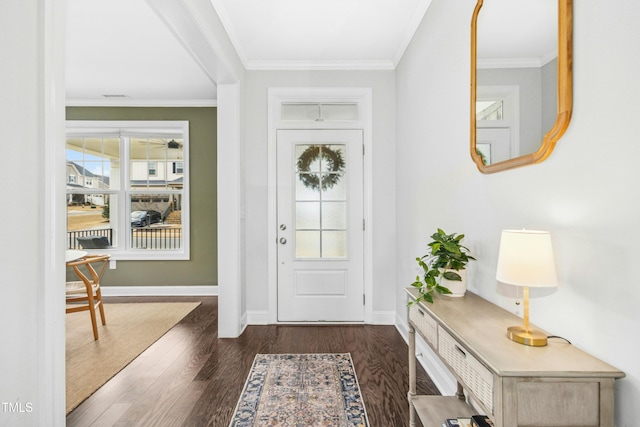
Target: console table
(514, 384)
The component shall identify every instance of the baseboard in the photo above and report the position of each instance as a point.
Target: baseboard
(130, 291)
(437, 371)
(258, 317)
(383, 318)
(261, 317)
(379, 318)
(243, 323)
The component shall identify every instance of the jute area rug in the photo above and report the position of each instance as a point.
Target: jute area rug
(130, 329)
(292, 390)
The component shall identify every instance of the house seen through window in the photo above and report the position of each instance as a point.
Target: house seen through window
(127, 188)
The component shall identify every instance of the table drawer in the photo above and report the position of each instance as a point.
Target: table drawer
(425, 324)
(473, 375)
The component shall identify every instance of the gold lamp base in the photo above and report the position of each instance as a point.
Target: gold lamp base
(525, 336)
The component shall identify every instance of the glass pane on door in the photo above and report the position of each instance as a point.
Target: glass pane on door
(321, 201)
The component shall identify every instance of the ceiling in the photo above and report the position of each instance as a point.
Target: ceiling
(119, 52)
(327, 34)
(517, 33)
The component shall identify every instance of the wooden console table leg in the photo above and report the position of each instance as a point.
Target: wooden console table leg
(412, 375)
(460, 392)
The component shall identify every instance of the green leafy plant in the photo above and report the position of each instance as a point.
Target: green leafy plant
(446, 257)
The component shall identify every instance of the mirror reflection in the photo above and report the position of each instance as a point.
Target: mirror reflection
(515, 81)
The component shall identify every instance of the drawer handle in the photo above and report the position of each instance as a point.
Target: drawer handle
(421, 312)
(461, 351)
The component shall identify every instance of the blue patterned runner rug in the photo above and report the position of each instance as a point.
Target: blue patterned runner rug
(301, 390)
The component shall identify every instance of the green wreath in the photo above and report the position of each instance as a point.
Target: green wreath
(334, 161)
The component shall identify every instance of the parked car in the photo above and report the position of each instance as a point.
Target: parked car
(144, 218)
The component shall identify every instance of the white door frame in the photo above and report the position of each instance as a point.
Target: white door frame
(510, 95)
(49, 323)
(363, 97)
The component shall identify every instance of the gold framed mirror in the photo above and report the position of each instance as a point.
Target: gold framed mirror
(521, 80)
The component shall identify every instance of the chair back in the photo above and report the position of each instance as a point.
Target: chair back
(87, 290)
(95, 265)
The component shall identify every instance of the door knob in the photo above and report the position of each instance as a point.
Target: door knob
(283, 240)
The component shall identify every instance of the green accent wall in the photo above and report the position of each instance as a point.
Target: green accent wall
(202, 268)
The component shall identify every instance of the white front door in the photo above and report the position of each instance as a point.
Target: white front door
(320, 225)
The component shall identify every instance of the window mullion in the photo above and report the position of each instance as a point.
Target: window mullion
(124, 228)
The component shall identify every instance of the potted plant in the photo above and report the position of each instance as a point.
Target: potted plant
(444, 267)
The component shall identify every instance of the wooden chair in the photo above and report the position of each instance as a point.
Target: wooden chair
(84, 294)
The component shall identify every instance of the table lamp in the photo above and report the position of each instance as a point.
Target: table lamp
(526, 259)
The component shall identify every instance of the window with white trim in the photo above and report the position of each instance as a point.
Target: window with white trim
(127, 196)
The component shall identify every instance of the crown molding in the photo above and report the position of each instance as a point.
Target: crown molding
(320, 65)
(141, 103)
(517, 62)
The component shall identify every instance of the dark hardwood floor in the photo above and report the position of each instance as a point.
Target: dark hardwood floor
(190, 377)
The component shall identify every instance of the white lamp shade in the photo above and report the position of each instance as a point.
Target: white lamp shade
(526, 259)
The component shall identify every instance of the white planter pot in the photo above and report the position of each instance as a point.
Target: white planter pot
(457, 288)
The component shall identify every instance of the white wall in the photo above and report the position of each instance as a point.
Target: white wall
(529, 82)
(31, 263)
(586, 193)
(255, 151)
